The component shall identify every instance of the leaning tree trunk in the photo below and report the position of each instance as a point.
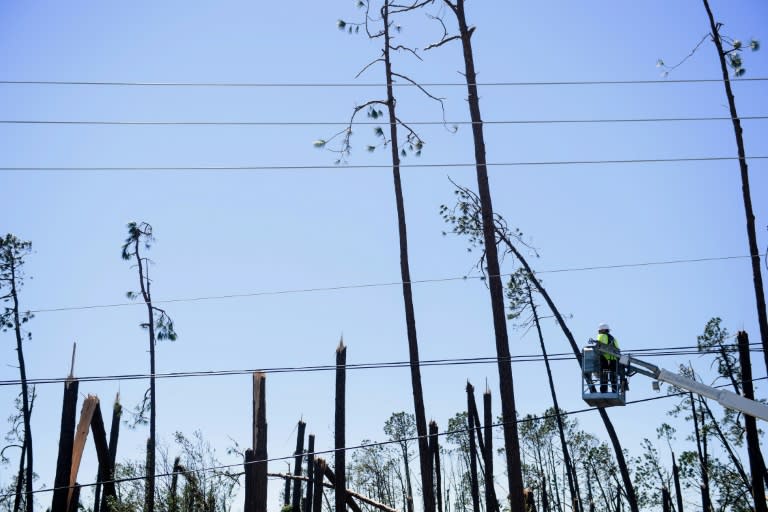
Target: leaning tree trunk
(506, 385)
(573, 483)
(705, 496)
(425, 461)
(754, 251)
(27, 413)
(618, 452)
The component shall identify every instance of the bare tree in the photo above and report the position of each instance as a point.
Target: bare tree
(159, 327)
(496, 289)
(378, 24)
(13, 251)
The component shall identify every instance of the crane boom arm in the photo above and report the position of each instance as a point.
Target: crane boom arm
(727, 399)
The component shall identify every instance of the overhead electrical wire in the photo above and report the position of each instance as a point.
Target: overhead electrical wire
(564, 356)
(339, 167)
(364, 123)
(103, 83)
(381, 284)
(355, 447)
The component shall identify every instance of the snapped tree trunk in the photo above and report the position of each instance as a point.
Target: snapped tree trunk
(629, 489)
(573, 484)
(66, 439)
(299, 454)
(474, 487)
(339, 434)
(310, 473)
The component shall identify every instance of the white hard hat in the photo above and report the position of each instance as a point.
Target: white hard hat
(603, 327)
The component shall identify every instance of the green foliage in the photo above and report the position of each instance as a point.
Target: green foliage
(13, 253)
(650, 476)
(716, 338)
(197, 490)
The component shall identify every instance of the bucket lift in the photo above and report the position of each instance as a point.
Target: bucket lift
(614, 392)
(628, 365)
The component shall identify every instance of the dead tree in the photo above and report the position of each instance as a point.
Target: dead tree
(259, 477)
(66, 437)
(474, 488)
(434, 448)
(317, 498)
(414, 144)
(299, 454)
(310, 473)
(573, 483)
(339, 428)
(495, 287)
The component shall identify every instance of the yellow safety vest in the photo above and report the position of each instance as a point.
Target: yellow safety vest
(606, 339)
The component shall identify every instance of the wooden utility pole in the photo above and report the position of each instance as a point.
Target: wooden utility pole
(299, 454)
(750, 424)
(339, 434)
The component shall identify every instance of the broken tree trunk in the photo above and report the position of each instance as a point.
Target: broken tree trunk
(66, 438)
(299, 454)
(78, 445)
(474, 487)
(317, 498)
(102, 453)
(434, 448)
(339, 434)
(310, 473)
(287, 489)
(491, 503)
(114, 433)
(250, 481)
(260, 441)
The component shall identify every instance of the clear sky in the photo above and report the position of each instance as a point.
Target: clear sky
(237, 232)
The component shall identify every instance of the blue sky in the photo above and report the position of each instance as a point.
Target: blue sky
(236, 232)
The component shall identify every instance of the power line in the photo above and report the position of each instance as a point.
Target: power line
(366, 123)
(378, 285)
(358, 85)
(530, 358)
(373, 166)
(356, 447)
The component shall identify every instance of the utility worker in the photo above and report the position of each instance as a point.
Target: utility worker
(608, 362)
